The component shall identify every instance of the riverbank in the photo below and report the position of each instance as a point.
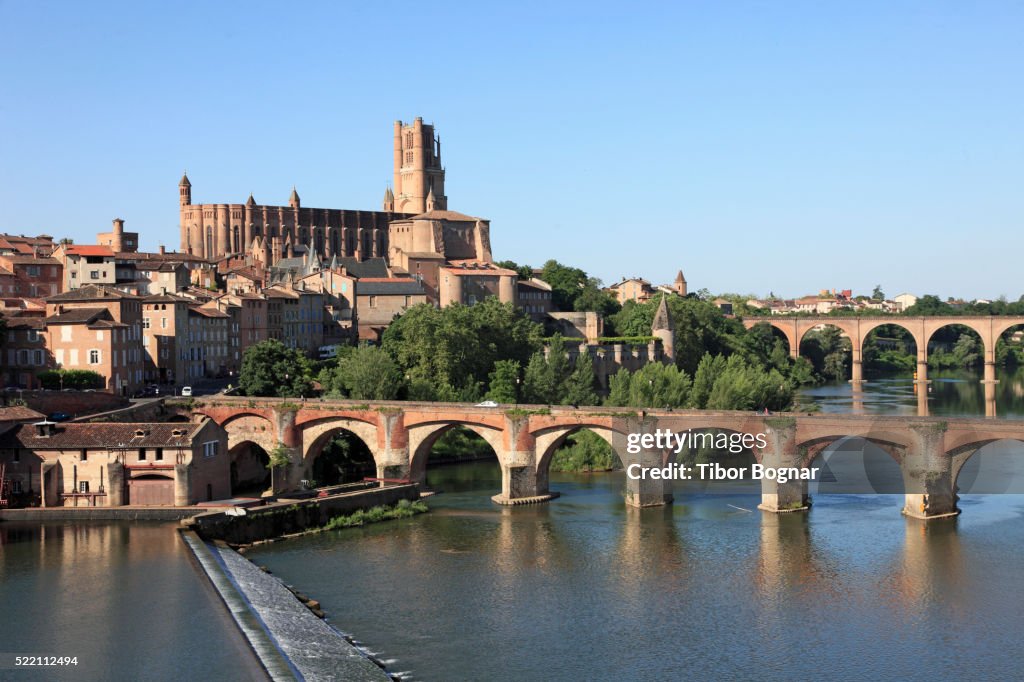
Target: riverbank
(291, 641)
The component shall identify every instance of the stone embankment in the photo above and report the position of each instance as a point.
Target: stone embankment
(289, 636)
(288, 517)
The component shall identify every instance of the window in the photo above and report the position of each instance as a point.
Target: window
(83, 456)
(17, 456)
(408, 157)
(163, 323)
(74, 274)
(33, 335)
(145, 323)
(94, 274)
(142, 454)
(37, 358)
(210, 449)
(32, 271)
(16, 487)
(83, 486)
(94, 357)
(159, 455)
(373, 301)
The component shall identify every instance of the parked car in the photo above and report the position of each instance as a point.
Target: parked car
(487, 403)
(186, 391)
(59, 417)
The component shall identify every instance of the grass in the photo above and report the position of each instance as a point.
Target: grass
(403, 510)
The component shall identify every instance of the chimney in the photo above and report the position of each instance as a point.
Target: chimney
(162, 250)
(45, 428)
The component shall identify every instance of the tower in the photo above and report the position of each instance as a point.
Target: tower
(389, 201)
(680, 284)
(663, 329)
(293, 199)
(417, 168)
(185, 191)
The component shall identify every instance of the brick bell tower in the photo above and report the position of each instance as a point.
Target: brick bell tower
(417, 170)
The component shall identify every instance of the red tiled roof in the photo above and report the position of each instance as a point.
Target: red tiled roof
(88, 250)
(109, 435)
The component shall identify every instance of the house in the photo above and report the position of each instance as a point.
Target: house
(115, 464)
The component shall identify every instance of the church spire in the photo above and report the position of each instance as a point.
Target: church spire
(293, 200)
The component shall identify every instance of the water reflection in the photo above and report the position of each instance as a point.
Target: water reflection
(948, 393)
(123, 597)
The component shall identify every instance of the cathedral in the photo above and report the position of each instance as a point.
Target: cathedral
(267, 234)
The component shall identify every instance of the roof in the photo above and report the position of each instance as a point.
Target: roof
(389, 287)
(78, 316)
(473, 268)
(87, 250)
(424, 255)
(166, 298)
(247, 272)
(662, 319)
(19, 413)
(91, 292)
(184, 181)
(274, 292)
(31, 260)
(371, 267)
(103, 435)
(208, 312)
(445, 215)
(534, 284)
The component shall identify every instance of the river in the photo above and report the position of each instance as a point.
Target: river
(580, 588)
(586, 588)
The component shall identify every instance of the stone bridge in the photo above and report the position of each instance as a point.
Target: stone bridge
(930, 452)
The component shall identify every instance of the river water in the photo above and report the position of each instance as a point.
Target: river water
(586, 588)
(124, 598)
(580, 588)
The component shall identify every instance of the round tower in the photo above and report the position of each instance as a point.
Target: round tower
(662, 328)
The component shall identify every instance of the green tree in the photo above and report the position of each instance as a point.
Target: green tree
(278, 459)
(877, 294)
(566, 284)
(504, 382)
(450, 353)
(366, 373)
(269, 368)
(580, 386)
(653, 385)
(539, 386)
(56, 379)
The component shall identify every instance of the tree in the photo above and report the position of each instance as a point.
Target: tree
(269, 368)
(367, 373)
(877, 294)
(56, 379)
(566, 284)
(449, 353)
(278, 459)
(653, 385)
(579, 388)
(539, 386)
(504, 382)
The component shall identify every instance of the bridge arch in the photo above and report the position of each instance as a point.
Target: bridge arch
(977, 467)
(251, 427)
(423, 436)
(316, 434)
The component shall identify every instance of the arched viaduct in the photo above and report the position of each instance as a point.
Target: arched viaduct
(989, 328)
(399, 435)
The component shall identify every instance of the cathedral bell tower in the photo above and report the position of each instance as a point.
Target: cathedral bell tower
(417, 168)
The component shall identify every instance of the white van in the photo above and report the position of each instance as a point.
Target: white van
(328, 352)
(186, 391)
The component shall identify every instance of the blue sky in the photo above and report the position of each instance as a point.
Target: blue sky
(759, 146)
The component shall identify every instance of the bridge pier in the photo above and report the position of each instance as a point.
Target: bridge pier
(782, 451)
(642, 490)
(928, 476)
(394, 463)
(520, 481)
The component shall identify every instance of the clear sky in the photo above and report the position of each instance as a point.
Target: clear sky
(759, 146)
